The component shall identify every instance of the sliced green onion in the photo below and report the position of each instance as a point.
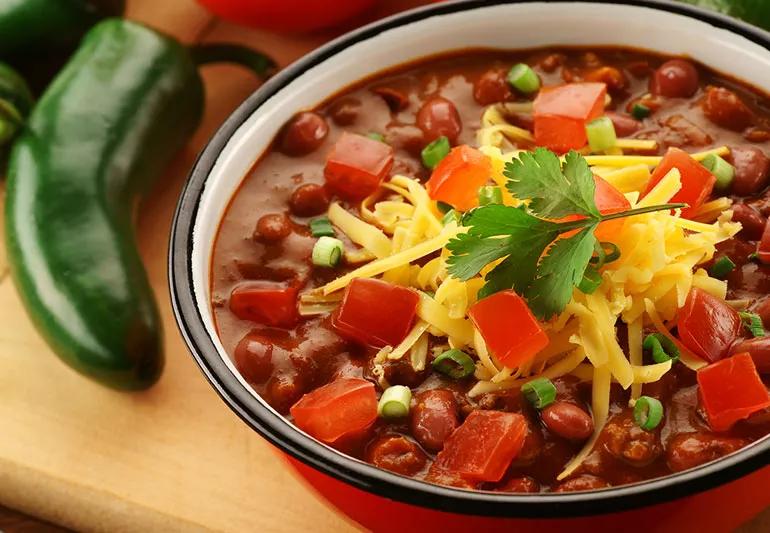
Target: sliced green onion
(723, 171)
(443, 207)
(455, 364)
(661, 347)
(394, 402)
(640, 111)
(376, 136)
(721, 267)
(591, 281)
(523, 78)
(489, 194)
(433, 153)
(321, 227)
(606, 252)
(601, 134)
(327, 252)
(753, 256)
(753, 323)
(451, 216)
(648, 413)
(540, 392)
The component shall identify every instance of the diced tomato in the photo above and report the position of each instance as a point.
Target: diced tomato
(731, 390)
(342, 408)
(483, 447)
(457, 178)
(561, 114)
(697, 181)
(376, 313)
(608, 200)
(265, 302)
(707, 326)
(357, 165)
(508, 327)
(763, 249)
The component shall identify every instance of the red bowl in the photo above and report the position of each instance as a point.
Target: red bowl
(713, 497)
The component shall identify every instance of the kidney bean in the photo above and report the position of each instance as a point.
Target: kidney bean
(688, 450)
(752, 221)
(519, 484)
(303, 134)
(397, 454)
(438, 116)
(757, 135)
(272, 228)
(309, 200)
(492, 87)
(624, 125)
(675, 78)
(630, 443)
(344, 111)
(581, 483)
(254, 358)
(614, 78)
(725, 108)
(568, 421)
(752, 170)
(395, 99)
(284, 390)
(758, 348)
(434, 417)
(551, 62)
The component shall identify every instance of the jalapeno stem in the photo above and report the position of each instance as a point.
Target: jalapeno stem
(261, 64)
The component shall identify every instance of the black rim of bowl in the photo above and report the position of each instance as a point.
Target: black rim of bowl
(276, 430)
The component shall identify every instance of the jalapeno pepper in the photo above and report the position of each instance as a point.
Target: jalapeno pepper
(99, 137)
(15, 104)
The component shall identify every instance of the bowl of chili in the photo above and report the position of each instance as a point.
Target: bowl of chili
(286, 284)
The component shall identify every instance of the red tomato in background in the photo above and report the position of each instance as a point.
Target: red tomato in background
(288, 15)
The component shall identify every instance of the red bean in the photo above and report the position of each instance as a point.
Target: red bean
(762, 308)
(254, 358)
(395, 99)
(434, 418)
(303, 134)
(752, 170)
(624, 125)
(284, 390)
(344, 111)
(397, 454)
(568, 421)
(752, 221)
(614, 78)
(551, 62)
(758, 348)
(725, 108)
(492, 87)
(272, 228)
(519, 484)
(309, 200)
(675, 78)
(688, 450)
(581, 483)
(438, 116)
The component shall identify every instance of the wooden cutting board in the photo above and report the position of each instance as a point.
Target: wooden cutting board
(174, 458)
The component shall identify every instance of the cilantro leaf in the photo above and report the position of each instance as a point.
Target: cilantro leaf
(553, 192)
(559, 271)
(497, 231)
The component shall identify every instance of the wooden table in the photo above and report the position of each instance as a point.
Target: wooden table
(174, 458)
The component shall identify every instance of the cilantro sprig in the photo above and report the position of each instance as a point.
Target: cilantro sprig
(534, 263)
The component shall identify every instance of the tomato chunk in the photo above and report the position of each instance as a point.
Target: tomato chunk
(707, 325)
(731, 390)
(763, 249)
(697, 181)
(561, 114)
(508, 327)
(265, 302)
(457, 178)
(376, 313)
(342, 408)
(483, 447)
(608, 200)
(357, 165)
